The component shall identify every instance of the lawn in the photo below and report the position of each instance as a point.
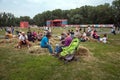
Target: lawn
(103, 64)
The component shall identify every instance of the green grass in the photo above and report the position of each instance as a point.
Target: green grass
(104, 63)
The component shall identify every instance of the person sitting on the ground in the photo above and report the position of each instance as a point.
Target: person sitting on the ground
(113, 30)
(45, 43)
(76, 33)
(67, 40)
(30, 36)
(91, 33)
(88, 31)
(34, 35)
(95, 35)
(19, 34)
(8, 35)
(84, 37)
(23, 40)
(104, 39)
(39, 36)
(59, 48)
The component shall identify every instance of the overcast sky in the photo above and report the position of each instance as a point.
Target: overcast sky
(33, 7)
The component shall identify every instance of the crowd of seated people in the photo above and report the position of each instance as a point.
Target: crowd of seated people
(65, 39)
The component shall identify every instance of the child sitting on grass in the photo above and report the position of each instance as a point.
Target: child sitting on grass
(104, 39)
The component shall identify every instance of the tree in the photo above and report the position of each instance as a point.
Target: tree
(116, 10)
(24, 18)
(39, 19)
(7, 19)
(17, 21)
(57, 14)
(76, 19)
(104, 14)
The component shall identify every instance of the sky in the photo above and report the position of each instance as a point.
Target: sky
(33, 7)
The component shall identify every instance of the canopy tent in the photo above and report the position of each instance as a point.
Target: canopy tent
(24, 24)
(56, 22)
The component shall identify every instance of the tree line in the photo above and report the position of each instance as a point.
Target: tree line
(101, 14)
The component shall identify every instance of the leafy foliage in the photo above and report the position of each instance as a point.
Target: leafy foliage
(101, 14)
(116, 10)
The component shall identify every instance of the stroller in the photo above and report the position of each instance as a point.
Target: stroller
(68, 53)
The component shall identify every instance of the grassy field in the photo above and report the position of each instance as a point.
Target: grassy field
(103, 64)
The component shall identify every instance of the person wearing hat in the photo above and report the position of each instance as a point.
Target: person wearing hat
(45, 43)
(23, 40)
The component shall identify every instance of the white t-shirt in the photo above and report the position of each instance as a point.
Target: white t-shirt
(104, 40)
(89, 29)
(22, 38)
(84, 34)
